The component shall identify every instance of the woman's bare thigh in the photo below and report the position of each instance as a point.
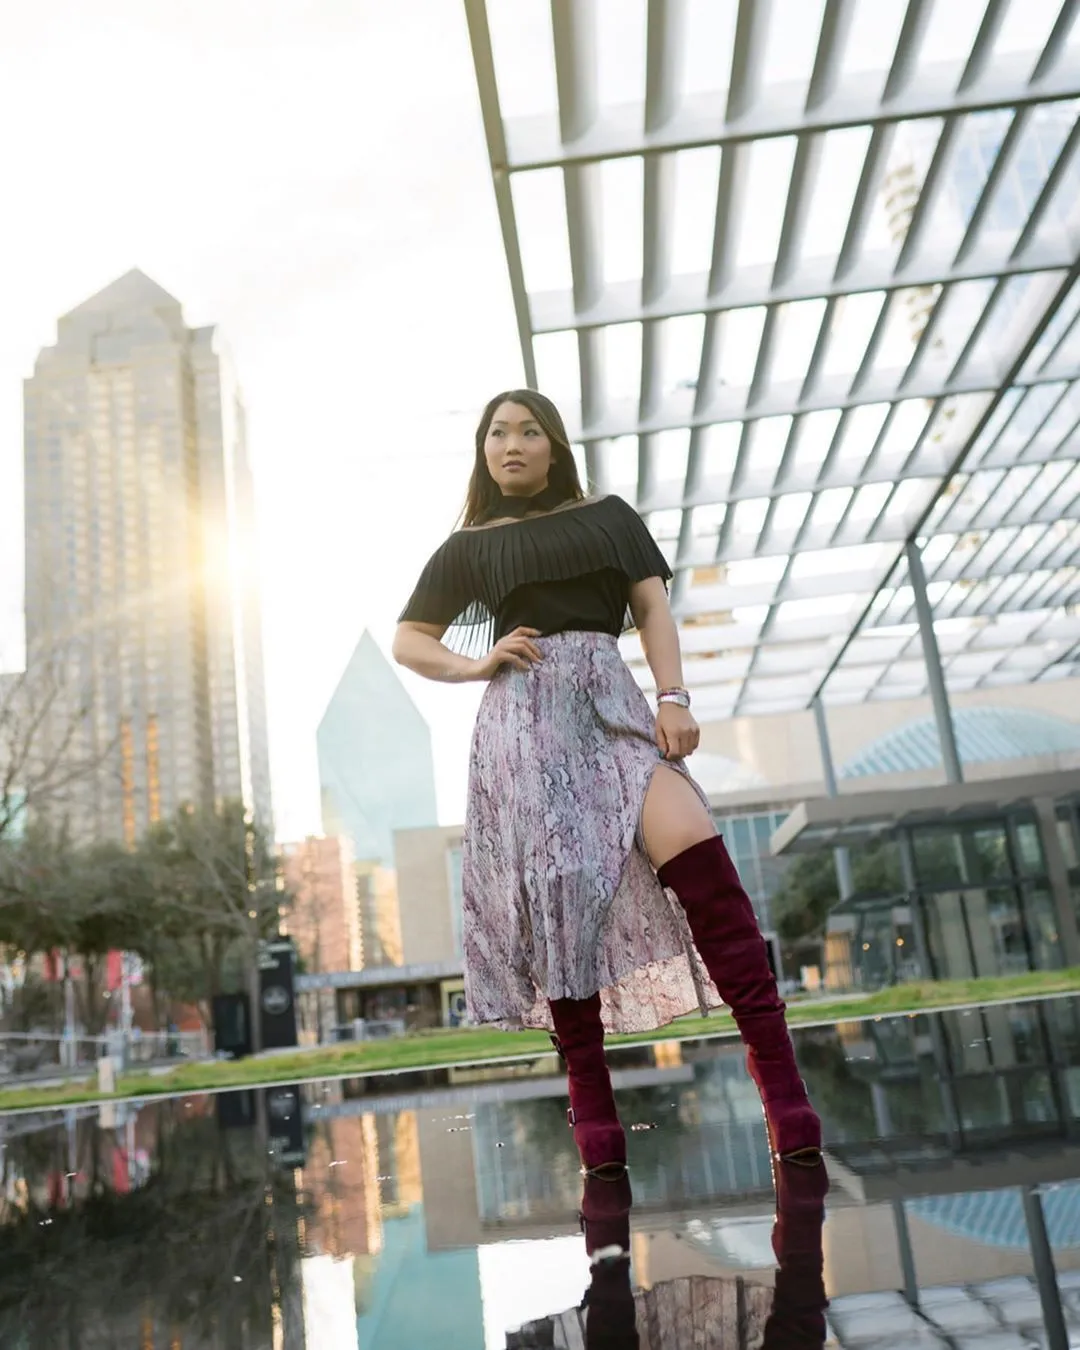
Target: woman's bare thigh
(673, 817)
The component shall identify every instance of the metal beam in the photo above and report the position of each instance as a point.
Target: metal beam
(535, 142)
(1042, 1260)
(494, 131)
(728, 289)
(939, 697)
(784, 401)
(841, 856)
(1011, 375)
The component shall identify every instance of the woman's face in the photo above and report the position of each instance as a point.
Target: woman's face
(517, 451)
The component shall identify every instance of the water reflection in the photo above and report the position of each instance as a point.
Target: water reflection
(696, 1310)
(443, 1207)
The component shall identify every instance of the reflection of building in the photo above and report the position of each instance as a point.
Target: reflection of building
(324, 919)
(341, 1175)
(140, 560)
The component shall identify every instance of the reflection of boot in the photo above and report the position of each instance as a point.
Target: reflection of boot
(726, 933)
(579, 1035)
(797, 1320)
(605, 1214)
(611, 1318)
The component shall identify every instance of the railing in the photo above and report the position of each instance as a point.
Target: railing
(35, 1055)
(368, 1029)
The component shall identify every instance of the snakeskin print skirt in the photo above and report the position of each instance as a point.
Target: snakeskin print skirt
(559, 897)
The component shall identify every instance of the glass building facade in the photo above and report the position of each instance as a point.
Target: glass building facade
(141, 576)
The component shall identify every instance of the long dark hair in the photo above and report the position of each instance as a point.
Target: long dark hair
(484, 492)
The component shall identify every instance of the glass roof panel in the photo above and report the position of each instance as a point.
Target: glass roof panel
(621, 188)
(768, 441)
(764, 199)
(750, 515)
(618, 460)
(719, 451)
(789, 511)
(1062, 325)
(797, 327)
(794, 28)
(670, 449)
(622, 360)
(816, 434)
(872, 40)
(740, 338)
(1026, 27)
(557, 367)
(524, 52)
(861, 429)
(680, 342)
(620, 52)
(950, 33)
(540, 206)
(843, 153)
(696, 175)
(853, 321)
(845, 364)
(708, 45)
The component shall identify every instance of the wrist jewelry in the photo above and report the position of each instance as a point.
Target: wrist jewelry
(676, 695)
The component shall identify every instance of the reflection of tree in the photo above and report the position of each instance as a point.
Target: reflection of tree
(202, 1251)
(840, 1095)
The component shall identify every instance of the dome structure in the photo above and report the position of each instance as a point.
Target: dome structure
(983, 735)
(996, 1218)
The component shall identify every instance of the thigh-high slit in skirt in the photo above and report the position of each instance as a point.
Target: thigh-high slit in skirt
(559, 899)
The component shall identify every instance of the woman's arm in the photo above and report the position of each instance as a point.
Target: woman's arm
(656, 628)
(418, 646)
(677, 733)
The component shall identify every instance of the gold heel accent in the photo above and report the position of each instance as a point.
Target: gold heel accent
(610, 1171)
(802, 1157)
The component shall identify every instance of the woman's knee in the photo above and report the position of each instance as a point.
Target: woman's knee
(674, 818)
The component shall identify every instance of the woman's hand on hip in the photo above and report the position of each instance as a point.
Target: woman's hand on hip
(677, 734)
(516, 649)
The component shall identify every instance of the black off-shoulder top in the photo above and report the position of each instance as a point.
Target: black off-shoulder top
(562, 568)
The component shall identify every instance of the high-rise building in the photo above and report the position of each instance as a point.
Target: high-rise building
(376, 776)
(141, 581)
(324, 919)
(375, 767)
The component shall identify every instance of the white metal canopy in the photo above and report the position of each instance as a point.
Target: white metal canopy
(804, 276)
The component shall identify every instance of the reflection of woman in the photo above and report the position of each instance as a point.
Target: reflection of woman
(581, 815)
(722, 1313)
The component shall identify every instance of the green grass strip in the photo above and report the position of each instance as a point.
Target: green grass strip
(444, 1046)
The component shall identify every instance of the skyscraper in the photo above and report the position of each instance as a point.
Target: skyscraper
(140, 561)
(375, 767)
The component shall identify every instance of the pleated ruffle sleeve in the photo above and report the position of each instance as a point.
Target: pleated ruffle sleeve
(470, 575)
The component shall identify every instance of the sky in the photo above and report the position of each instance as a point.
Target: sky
(311, 175)
(313, 178)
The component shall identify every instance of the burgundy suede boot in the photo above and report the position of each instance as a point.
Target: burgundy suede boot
(579, 1036)
(605, 1215)
(726, 933)
(797, 1320)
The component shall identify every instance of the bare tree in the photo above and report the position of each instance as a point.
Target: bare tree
(47, 741)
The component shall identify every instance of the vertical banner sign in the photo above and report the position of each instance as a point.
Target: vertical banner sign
(277, 994)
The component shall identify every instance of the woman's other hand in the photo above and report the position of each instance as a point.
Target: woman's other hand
(677, 734)
(516, 649)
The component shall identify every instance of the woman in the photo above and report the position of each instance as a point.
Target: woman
(582, 821)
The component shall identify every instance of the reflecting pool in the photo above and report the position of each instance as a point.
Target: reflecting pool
(444, 1208)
